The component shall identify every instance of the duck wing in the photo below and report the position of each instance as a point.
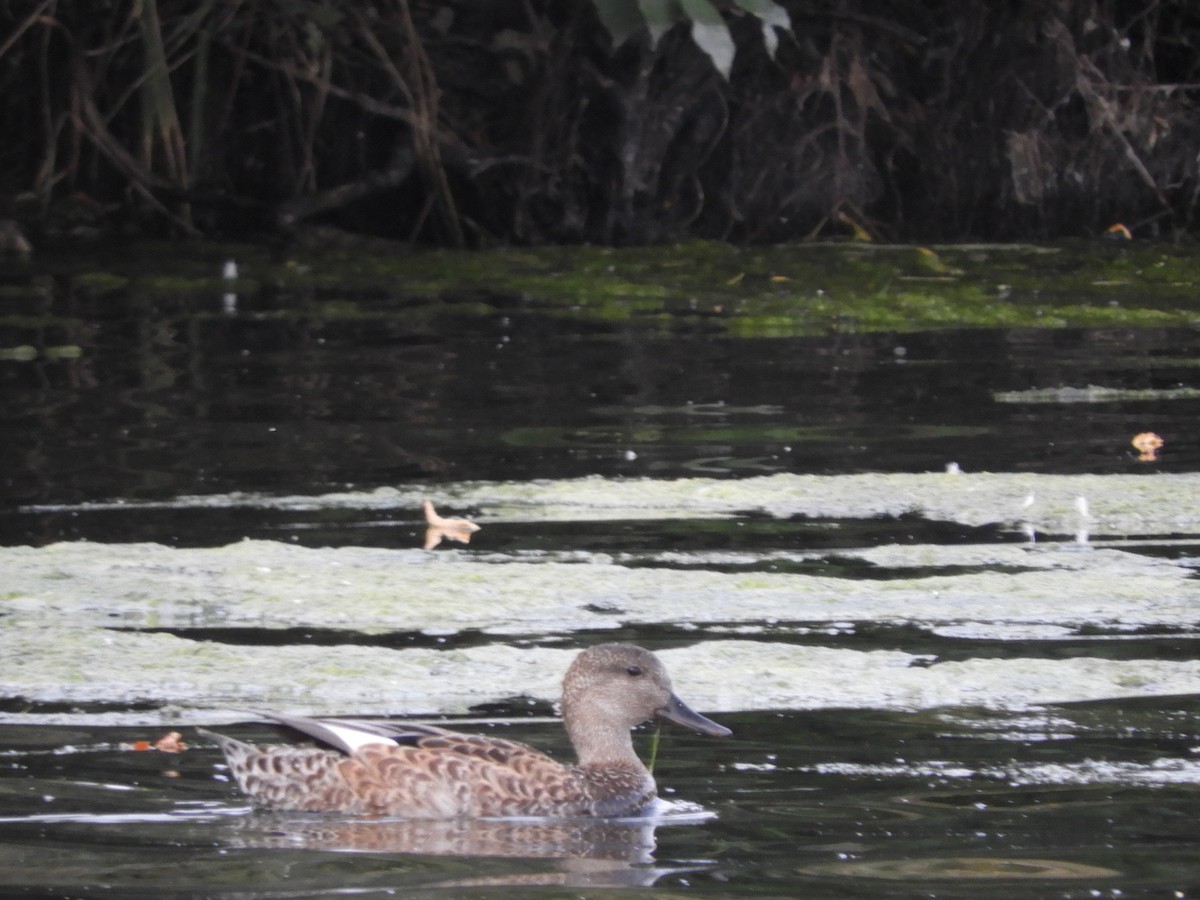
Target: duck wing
(459, 775)
(492, 750)
(350, 735)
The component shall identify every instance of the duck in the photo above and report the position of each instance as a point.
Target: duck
(417, 771)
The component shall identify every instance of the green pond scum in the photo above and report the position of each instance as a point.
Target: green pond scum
(776, 291)
(140, 627)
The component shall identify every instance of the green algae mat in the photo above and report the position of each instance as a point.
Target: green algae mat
(777, 291)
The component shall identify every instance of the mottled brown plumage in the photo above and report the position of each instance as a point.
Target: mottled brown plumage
(420, 771)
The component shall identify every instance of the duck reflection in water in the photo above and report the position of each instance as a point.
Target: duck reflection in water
(583, 852)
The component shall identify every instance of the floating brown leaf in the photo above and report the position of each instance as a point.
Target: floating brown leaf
(446, 529)
(1147, 445)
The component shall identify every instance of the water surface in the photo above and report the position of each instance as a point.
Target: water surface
(949, 614)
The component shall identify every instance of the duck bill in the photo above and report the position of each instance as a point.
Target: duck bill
(681, 714)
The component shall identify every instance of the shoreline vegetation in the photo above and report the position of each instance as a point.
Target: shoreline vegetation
(610, 122)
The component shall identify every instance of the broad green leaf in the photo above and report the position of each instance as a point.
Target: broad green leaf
(624, 18)
(710, 33)
(660, 15)
(772, 16)
(621, 19)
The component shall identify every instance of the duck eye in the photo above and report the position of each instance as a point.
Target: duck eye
(634, 670)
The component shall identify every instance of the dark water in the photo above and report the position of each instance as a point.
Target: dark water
(1072, 802)
(292, 395)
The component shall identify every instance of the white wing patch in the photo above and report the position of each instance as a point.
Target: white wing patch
(355, 738)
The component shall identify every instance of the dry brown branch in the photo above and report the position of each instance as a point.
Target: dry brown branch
(28, 22)
(362, 100)
(425, 100)
(1110, 119)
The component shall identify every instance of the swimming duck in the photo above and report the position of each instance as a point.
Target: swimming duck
(426, 772)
